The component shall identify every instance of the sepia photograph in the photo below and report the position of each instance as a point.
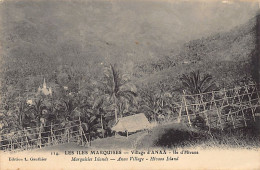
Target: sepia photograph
(129, 84)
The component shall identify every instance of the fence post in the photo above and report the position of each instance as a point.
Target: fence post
(204, 110)
(51, 134)
(250, 102)
(68, 135)
(179, 117)
(22, 143)
(27, 143)
(53, 138)
(226, 97)
(39, 137)
(186, 107)
(11, 144)
(240, 104)
(233, 123)
(256, 87)
(219, 114)
(257, 93)
(80, 132)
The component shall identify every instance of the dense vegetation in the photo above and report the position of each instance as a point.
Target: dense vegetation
(97, 102)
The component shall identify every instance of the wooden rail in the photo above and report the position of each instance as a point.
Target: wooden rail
(38, 137)
(220, 109)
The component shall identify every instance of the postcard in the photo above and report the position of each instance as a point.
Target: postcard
(129, 84)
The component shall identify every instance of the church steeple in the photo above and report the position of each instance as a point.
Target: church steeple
(44, 84)
(45, 90)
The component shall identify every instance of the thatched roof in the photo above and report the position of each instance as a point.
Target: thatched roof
(132, 123)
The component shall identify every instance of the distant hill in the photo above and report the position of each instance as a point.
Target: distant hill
(227, 56)
(40, 33)
(145, 37)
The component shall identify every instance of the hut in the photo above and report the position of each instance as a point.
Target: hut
(132, 123)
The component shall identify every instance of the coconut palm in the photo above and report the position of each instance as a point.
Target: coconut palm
(156, 102)
(35, 111)
(195, 84)
(21, 108)
(116, 87)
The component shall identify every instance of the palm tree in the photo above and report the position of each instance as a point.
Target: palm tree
(194, 84)
(69, 107)
(21, 108)
(156, 102)
(116, 87)
(35, 111)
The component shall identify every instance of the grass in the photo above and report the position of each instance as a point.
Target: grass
(170, 135)
(179, 136)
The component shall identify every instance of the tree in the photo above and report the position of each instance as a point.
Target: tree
(157, 102)
(21, 108)
(194, 84)
(116, 87)
(35, 111)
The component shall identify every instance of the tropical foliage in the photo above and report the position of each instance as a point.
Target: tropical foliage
(116, 90)
(98, 100)
(195, 83)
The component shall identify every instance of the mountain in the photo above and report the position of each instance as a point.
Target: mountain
(150, 39)
(51, 32)
(231, 57)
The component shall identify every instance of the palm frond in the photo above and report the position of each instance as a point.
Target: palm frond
(92, 119)
(194, 84)
(115, 78)
(126, 92)
(210, 87)
(98, 103)
(146, 107)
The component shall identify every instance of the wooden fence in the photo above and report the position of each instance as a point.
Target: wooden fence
(39, 137)
(221, 109)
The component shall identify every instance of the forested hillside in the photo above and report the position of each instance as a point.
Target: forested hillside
(228, 56)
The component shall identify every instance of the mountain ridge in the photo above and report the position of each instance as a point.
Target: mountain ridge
(227, 56)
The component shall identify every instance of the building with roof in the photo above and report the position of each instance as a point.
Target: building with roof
(132, 123)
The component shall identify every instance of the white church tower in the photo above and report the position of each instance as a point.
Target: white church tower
(44, 89)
